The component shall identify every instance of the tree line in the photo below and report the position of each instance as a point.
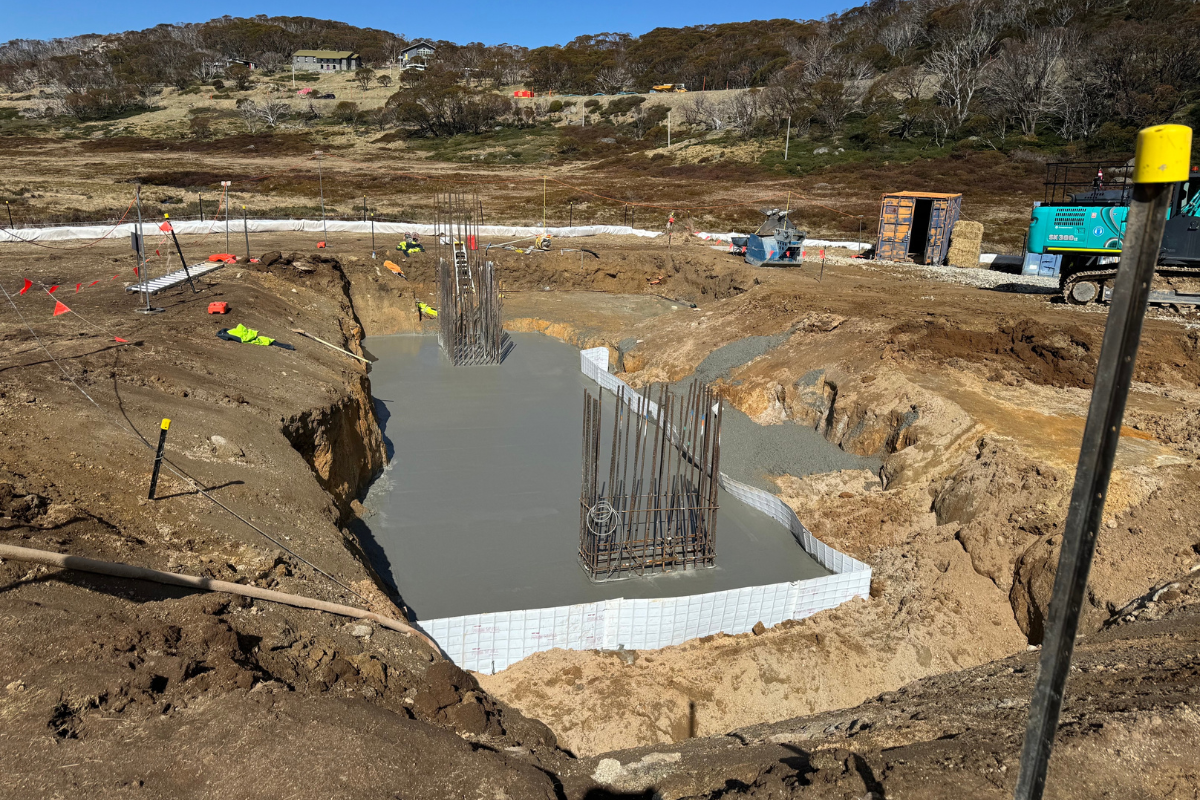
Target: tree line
(939, 70)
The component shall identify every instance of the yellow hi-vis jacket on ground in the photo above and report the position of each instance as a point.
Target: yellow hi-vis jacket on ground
(249, 336)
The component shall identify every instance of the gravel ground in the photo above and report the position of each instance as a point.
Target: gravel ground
(983, 278)
(753, 453)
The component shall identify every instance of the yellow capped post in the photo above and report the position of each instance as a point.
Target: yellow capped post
(158, 457)
(1161, 162)
(1163, 153)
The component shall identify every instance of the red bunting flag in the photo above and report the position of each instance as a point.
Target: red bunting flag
(135, 271)
(157, 253)
(28, 283)
(52, 289)
(114, 277)
(122, 341)
(60, 308)
(93, 283)
(77, 287)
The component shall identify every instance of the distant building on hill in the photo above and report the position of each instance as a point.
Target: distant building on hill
(417, 53)
(326, 60)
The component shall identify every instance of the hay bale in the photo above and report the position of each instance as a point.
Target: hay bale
(966, 240)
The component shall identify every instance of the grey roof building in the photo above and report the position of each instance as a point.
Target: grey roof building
(419, 52)
(326, 60)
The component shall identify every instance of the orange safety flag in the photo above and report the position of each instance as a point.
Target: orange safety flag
(28, 283)
(822, 252)
(165, 227)
(52, 289)
(60, 308)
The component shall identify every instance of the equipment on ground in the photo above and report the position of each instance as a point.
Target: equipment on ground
(218, 307)
(394, 267)
(307, 335)
(670, 87)
(777, 242)
(240, 333)
(424, 309)
(410, 245)
(176, 278)
(1082, 220)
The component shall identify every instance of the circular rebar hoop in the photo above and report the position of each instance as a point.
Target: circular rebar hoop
(603, 519)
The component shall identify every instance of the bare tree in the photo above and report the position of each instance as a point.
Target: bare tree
(1026, 78)
(898, 37)
(960, 61)
(819, 58)
(204, 66)
(743, 110)
(271, 62)
(273, 111)
(248, 111)
(611, 80)
(700, 112)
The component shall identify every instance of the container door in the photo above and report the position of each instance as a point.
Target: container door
(942, 217)
(895, 226)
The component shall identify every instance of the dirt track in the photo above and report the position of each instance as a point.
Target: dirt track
(974, 398)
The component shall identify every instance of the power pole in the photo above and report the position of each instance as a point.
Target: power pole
(668, 129)
(788, 140)
(141, 250)
(226, 184)
(321, 189)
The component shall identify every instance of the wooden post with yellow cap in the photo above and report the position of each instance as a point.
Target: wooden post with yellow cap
(158, 458)
(1161, 161)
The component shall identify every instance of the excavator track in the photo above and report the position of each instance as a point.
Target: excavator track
(1087, 286)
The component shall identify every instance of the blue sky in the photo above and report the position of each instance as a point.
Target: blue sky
(530, 23)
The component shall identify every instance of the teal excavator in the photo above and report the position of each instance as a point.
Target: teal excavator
(1083, 221)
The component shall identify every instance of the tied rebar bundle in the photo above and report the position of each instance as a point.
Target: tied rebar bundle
(469, 310)
(657, 510)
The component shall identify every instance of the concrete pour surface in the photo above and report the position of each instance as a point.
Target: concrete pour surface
(479, 509)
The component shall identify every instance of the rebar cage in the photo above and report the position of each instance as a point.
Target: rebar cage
(470, 306)
(658, 513)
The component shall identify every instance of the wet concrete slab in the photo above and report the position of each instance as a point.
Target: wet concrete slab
(479, 509)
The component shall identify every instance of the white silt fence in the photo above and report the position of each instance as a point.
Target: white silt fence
(65, 232)
(491, 642)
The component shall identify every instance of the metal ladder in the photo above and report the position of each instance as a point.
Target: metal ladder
(462, 269)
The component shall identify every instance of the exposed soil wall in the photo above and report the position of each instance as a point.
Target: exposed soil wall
(341, 442)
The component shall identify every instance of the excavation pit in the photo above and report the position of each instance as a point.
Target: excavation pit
(478, 510)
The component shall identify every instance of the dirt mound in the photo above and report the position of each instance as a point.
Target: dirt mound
(1063, 357)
